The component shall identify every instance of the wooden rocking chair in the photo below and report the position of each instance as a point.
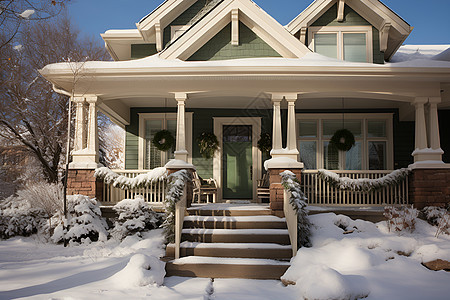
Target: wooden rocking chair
(263, 190)
(206, 187)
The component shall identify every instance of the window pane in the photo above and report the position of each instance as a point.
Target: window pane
(376, 128)
(326, 44)
(330, 156)
(308, 154)
(353, 157)
(377, 155)
(355, 47)
(307, 129)
(153, 155)
(331, 126)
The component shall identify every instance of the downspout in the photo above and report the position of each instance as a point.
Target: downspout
(69, 123)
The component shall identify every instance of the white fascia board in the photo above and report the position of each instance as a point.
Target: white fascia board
(265, 26)
(309, 15)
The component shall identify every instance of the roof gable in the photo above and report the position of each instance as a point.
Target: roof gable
(393, 30)
(235, 11)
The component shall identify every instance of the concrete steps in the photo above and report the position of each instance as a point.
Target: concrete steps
(231, 241)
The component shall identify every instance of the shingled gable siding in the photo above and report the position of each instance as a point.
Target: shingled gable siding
(220, 48)
(142, 50)
(352, 18)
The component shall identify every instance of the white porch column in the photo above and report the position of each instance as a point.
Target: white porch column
(276, 128)
(291, 132)
(92, 128)
(80, 126)
(435, 142)
(180, 150)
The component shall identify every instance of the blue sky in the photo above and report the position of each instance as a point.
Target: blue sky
(430, 18)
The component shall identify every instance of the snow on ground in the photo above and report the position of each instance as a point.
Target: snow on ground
(369, 261)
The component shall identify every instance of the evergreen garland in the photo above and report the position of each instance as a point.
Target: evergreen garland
(364, 184)
(298, 201)
(175, 188)
(163, 140)
(265, 143)
(208, 144)
(343, 139)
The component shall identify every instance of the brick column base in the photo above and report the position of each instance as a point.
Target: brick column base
(277, 190)
(189, 187)
(429, 187)
(83, 182)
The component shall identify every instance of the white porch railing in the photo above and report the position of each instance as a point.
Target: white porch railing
(153, 194)
(320, 192)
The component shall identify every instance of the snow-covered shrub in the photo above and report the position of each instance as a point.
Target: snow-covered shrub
(298, 201)
(175, 188)
(141, 270)
(84, 223)
(400, 218)
(134, 216)
(19, 217)
(438, 216)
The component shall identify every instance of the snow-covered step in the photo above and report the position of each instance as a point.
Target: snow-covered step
(242, 250)
(223, 267)
(226, 209)
(235, 222)
(279, 236)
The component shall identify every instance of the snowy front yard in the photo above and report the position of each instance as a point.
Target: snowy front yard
(369, 261)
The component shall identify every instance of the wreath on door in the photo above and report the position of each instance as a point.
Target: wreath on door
(208, 144)
(343, 139)
(163, 140)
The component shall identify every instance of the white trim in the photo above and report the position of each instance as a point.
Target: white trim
(256, 154)
(364, 139)
(174, 29)
(161, 116)
(340, 30)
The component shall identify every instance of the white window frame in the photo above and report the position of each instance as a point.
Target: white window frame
(364, 139)
(143, 117)
(177, 30)
(339, 31)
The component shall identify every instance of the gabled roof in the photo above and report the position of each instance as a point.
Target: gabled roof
(393, 29)
(247, 12)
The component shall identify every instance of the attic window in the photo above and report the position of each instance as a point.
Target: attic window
(178, 30)
(349, 43)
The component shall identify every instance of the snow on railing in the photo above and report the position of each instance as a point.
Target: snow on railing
(355, 187)
(129, 184)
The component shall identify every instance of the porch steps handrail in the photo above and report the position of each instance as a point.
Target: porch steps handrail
(291, 221)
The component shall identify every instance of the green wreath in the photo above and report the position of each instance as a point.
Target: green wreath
(343, 139)
(208, 144)
(265, 143)
(163, 140)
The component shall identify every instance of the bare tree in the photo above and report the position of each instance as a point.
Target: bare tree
(31, 113)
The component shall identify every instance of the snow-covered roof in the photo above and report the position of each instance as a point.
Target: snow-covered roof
(415, 52)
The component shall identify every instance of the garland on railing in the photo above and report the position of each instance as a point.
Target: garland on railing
(175, 187)
(122, 182)
(298, 201)
(364, 184)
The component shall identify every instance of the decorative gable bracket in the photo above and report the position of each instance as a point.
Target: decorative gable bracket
(384, 36)
(340, 11)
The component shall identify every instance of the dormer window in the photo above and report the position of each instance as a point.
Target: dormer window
(349, 43)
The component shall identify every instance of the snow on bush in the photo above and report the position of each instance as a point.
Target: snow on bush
(438, 216)
(134, 216)
(84, 223)
(298, 201)
(123, 182)
(400, 218)
(141, 270)
(175, 188)
(364, 184)
(19, 217)
(209, 291)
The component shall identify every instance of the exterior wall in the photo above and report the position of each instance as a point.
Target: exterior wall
(220, 48)
(83, 182)
(351, 18)
(429, 187)
(142, 50)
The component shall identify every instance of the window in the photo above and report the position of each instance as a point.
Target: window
(149, 125)
(349, 43)
(373, 141)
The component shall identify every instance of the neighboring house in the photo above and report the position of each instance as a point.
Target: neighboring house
(229, 68)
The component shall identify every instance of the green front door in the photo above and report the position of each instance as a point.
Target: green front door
(237, 162)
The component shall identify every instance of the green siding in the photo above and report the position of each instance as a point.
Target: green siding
(220, 48)
(142, 50)
(444, 126)
(351, 18)
(183, 19)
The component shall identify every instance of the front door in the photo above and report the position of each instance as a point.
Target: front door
(237, 162)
